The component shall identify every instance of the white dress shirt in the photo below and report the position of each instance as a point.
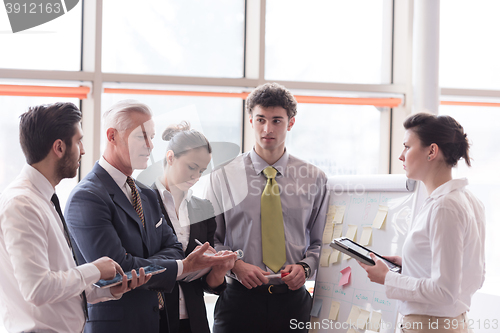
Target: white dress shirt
(443, 255)
(182, 229)
(180, 223)
(121, 180)
(40, 285)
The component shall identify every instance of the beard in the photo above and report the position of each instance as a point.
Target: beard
(66, 168)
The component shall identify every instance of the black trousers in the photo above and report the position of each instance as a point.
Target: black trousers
(184, 326)
(242, 310)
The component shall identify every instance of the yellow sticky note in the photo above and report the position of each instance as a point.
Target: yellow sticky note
(353, 316)
(339, 215)
(375, 321)
(334, 256)
(366, 236)
(328, 233)
(315, 325)
(337, 231)
(325, 256)
(331, 210)
(381, 216)
(351, 232)
(331, 213)
(362, 318)
(351, 330)
(334, 310)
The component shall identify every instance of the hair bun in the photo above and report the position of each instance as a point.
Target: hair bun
(172, 130)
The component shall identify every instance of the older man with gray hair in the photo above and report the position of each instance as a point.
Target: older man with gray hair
(111, 214)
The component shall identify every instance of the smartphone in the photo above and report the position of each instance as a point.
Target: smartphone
(361, 253)
(152, 269)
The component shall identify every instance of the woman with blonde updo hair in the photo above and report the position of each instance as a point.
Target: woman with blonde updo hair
(443, 254)
(188, 154)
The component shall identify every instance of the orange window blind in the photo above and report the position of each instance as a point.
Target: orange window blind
(44, 91)
(460, 103)
(387, 102)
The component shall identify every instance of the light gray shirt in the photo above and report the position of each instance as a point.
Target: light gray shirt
(235, 192)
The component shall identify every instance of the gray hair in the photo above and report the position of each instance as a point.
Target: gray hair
(117, 116)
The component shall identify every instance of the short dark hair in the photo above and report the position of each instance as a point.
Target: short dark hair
(41, 125)
(444, 131)
(272, 95)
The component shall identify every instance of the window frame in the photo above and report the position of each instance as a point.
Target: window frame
(254, 68)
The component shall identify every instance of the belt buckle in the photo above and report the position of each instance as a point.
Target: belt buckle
(269, 288)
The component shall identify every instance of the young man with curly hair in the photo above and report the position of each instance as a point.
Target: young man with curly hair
(271, 205)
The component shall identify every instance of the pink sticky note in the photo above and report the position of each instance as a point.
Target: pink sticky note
(346, 276)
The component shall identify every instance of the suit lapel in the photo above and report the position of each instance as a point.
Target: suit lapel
(120, 199)
(147, 217)
(163, 210)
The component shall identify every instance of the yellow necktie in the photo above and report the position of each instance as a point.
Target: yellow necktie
(271, 220)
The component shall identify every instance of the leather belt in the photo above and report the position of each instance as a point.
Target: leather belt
(269, 289)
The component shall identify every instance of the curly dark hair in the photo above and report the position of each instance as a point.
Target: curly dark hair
(271, 95)
(444, 131)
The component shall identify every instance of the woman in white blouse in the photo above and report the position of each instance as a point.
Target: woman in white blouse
(443, 255)
(191, 218)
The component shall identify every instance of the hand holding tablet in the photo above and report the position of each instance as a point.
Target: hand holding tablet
(361, 253)
(152, 269)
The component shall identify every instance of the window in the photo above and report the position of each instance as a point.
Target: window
(175, 37)
(469, 51)
(329, 41)
(484, 180)
(339, 139)
(11, 155)
(219, 119)
(55, 45)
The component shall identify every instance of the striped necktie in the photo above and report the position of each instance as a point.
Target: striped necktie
(136, 202)
(271, 219)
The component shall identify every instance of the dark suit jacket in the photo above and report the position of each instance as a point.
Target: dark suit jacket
(198, 210)
(103, 222)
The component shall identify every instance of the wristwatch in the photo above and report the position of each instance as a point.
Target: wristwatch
(306, 267)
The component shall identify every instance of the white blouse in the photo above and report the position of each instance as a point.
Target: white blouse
(182, 229)
(443, 255)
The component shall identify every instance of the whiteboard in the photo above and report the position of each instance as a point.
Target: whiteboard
(362, 195)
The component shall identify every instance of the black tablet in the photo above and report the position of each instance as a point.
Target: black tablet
(152, 269)
(361, 253)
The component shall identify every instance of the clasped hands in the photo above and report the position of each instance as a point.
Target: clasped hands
(252, 276)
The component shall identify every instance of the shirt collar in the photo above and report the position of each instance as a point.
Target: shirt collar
(119, 177)
(448, 187)
(39, 181)
(259, 164)
(164, 192)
